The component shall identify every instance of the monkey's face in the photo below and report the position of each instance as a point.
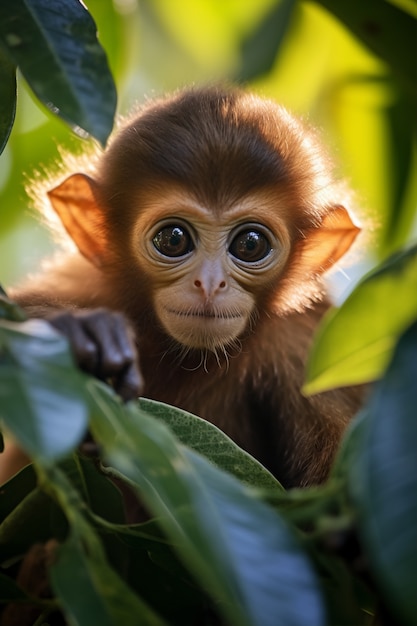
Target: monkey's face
(208, 267)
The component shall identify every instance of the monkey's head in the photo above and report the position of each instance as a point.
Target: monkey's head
(214, 207)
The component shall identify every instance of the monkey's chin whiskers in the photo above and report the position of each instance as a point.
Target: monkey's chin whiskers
(208, 313)
(204, 328)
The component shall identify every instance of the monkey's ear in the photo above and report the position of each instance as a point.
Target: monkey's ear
(325, 245)
(74, 201)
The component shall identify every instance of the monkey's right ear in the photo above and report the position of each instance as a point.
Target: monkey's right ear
(75, 202)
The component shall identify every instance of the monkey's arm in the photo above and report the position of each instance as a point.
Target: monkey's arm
(75, 298)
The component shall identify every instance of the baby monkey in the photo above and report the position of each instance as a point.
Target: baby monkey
(202, 236)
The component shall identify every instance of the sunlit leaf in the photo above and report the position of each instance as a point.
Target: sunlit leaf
(383, 481)
(355, 342)
(239, 550)
(7, 98)
(260, 48)
(42, 398)
(212, 443)
(55, 46)
(387, 30)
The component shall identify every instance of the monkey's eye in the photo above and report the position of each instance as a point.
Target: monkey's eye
(173, 240)
(250, 245)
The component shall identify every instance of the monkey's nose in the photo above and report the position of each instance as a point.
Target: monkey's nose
(210, 288)
(210, 278)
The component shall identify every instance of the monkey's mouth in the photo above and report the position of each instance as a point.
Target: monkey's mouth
(205, 314)
(203, 327)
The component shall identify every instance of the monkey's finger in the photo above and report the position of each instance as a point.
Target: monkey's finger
(118, 356)
(130, 384)
(110, 332)
(84, 349)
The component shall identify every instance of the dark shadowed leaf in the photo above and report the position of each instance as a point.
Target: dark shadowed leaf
(7, 98)
(9, 591)
(55, 46)
(402, 122)
(386, 29)
(240, 551)
(383, 481)
(211, 442)
(89, 590)
(101, 496)
(355, 342)
(16, 489)
(261, 48)
(42, 398)
(34, 520)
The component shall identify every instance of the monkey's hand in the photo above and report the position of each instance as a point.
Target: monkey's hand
(103, 345)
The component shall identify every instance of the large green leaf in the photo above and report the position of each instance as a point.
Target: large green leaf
(355, 342)
(89, 590)
(7, 98)
(383, 481)
(42, 398)
(385, 28)
(55, 46)
(239, 550)
(212, 443)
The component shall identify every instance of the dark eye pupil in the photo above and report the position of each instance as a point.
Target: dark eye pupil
(250, 246)
(173, 241)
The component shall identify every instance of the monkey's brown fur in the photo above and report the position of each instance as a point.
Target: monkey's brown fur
(219, 147)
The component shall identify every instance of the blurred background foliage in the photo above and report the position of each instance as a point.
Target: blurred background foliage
(294, 51)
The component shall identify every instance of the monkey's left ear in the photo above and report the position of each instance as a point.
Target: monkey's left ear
(325, 245)
(74, 201)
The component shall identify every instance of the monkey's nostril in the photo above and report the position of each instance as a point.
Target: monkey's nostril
(197, 283)
(222, 284)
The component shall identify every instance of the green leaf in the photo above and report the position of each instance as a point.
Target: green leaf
(9, 310)
(352, 439)
(354, 343)
(240, 551)
(383, 481)
(55, 46)
(153, 570)
(261, 48)
(42, 399)
(7, 98)
(16, 489)
(211, 442)
(102, 497)
(402, 126)
(34, 520)
(89, 590)
(384, 28)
